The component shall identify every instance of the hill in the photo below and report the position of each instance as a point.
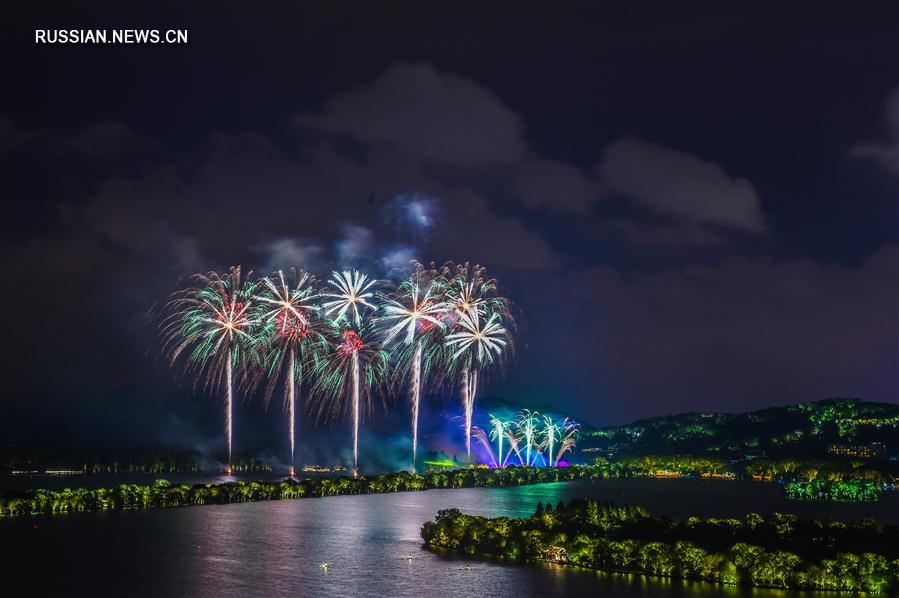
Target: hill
(831, 426)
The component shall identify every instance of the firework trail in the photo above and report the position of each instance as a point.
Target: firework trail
(568, 433)
(476, 344)
(513, 445)
(355, 360)
(416, 397)
(551, 433)
(292, 333)
(229, 401)
(527, 424)
(291, 409)
(498, 431)
(210, 323)
(413, 314)
(470, 390)
(357, 364)
(481, 436)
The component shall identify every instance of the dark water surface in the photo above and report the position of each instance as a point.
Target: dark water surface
(275, 548)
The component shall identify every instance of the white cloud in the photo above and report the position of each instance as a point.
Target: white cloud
(680, 186)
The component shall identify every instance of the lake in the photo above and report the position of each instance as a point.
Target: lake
(276, 548)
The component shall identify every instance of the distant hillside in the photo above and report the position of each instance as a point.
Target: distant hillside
(803, 429)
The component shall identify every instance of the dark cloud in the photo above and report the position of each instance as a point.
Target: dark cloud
(211, 194)
(98, 139)
(651, 284)
(235, 198)
(555, 186)
(105, 138)
(12, 135)
(438, 116)
(655, 234)
(747, 332)
(332, 196)
(884, 153)
(680, 185)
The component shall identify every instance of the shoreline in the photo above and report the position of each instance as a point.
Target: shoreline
(163, 493)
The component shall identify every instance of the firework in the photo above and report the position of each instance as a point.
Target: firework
(487, 340)
(568, 433)
(469, 289)
(292, 333)
(527, 424)
(529, 438)
(551, 434)
(356, 365)
(481, 436)
(411, 314)
(513, 444)
(438, 326)
(354, 290)
(211, 323)
(499, 430)
(477, 332)
(476, 344)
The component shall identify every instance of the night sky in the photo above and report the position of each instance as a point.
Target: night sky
(693, 205)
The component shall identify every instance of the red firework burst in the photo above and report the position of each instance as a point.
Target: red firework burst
(351, 343)
(290, 326)
(425, 325)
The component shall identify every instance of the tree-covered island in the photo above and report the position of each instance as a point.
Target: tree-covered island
(777, 550)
